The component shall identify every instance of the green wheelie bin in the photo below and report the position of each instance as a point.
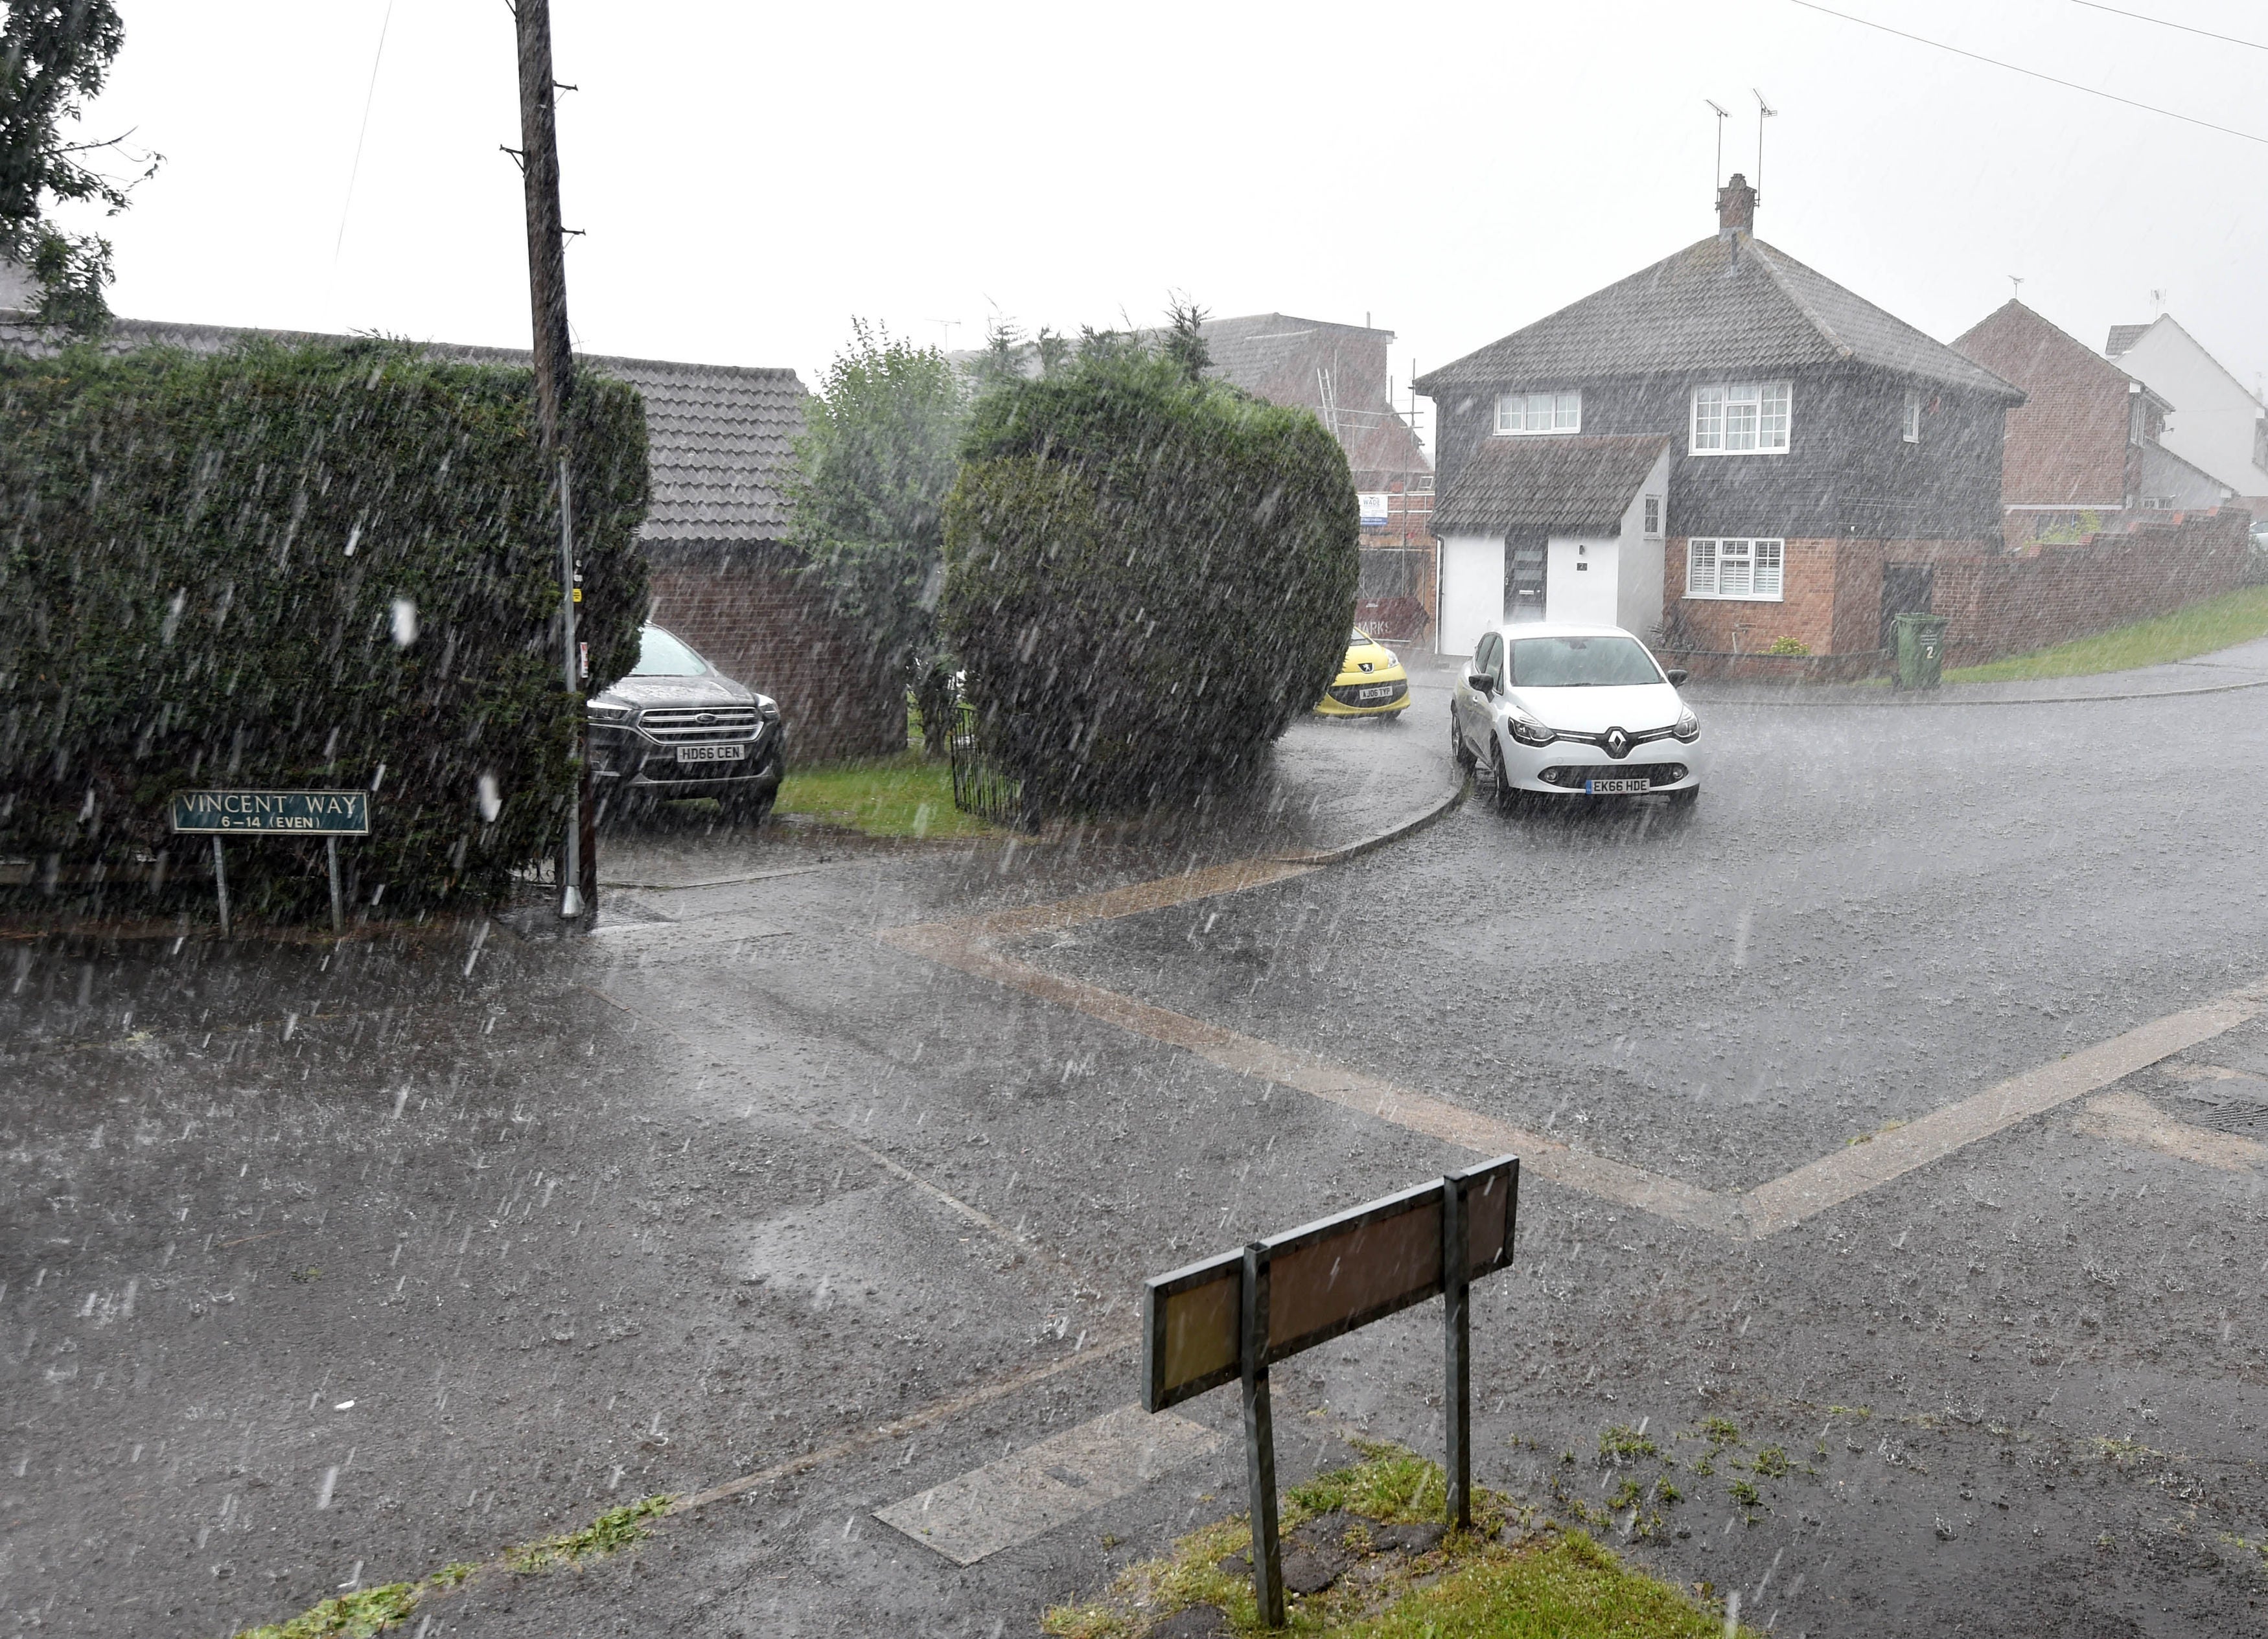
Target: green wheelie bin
(1920, 640)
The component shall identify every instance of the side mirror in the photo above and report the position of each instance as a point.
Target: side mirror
(1676, 674)
(1482, 681)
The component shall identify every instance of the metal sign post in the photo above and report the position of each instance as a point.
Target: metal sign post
(1229, 1317)
(1259, 1437)
(328, 815)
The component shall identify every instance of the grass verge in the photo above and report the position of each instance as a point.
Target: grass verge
(368, 1612)
(1509, 1577)
(906, 796)
(2233, 618)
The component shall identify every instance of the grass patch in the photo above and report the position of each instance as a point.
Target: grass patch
(905, 795)
(1571, 1589)
(2233, 618)
(368, 1612)
(1475, 1584)
(610, 1531)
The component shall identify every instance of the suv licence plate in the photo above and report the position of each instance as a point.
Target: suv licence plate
(712, 753)
(1616, 787)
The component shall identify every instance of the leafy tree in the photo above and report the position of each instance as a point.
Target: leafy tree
(54, 55)
(1184, 340)
(875, 463)
(1147, 577)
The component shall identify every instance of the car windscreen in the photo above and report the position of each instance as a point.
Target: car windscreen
(660, 655)
(1580, 662)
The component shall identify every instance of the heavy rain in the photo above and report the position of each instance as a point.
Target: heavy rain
(1133, 824)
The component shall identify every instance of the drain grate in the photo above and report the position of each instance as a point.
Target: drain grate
(2238, 1104)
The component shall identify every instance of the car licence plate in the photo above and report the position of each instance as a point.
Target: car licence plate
(1616, 787)
(712, 753)
(1374, 693)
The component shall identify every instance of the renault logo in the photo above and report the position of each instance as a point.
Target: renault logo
(1618, 744)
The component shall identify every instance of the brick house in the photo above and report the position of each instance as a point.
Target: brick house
(1342, 372)
(1818, 451)
(718, 439)
(2082, 452)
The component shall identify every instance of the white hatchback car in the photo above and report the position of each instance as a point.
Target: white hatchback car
(1575, 710)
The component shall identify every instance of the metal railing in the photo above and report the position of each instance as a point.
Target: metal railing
(980, 787)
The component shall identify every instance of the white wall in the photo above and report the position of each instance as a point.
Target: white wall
(1579, 586)
(2211, 420)
(1471, 593)
(1637, 602)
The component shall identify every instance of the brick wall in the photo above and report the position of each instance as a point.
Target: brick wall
(742, 606)
(2006, 603)
(1996, 602)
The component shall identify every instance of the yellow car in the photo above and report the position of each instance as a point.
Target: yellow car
(1370, 683)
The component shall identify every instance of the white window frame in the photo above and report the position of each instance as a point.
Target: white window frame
(1741, 418)
(1519, 414)
(1761, 562)
(1650, 513)
(1912, 427)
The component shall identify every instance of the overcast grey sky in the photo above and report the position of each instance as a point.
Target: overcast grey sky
(750, 176)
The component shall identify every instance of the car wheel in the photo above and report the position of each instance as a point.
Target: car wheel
(1459, 751)
(1500, 791)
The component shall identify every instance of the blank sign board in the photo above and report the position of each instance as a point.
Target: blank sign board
(1324, 1278)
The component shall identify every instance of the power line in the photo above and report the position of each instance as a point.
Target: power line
(369, 97)
(2095, 5)
(1811, 5)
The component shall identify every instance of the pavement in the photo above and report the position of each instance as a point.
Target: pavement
(821, 1183)
(2229, 670)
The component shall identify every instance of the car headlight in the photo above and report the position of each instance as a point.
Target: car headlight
(610, 714)
(1688, 727)
(1527, 730)
(767, 707)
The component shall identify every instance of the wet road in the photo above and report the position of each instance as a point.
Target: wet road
(878, 1220)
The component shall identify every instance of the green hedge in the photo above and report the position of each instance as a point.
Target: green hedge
(199, 585)
(1147, 578)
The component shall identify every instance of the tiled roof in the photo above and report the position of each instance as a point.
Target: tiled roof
(719, 437)
(1722, 304)
(1579, 483)
(2121, 337)
(1288, 361)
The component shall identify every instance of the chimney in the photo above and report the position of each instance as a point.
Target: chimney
(1736, 209)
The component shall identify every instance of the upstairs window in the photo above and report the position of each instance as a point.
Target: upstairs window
(1734, 568)
(1913, 418)
(1539, 412)
(1741, 418)
(1653, 515)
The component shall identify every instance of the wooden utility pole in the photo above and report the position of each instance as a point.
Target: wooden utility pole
(555, 380)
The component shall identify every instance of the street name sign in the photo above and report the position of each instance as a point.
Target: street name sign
(1229, 1317)
(300, 813)
(328, 815)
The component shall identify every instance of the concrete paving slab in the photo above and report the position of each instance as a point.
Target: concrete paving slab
(1030, 1492)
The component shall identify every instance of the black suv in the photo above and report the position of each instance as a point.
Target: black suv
(677, 727)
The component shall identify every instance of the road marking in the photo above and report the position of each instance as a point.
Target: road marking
(938, 1411)
(1028, 1493)
(1852, 1171)
(970, 945)
(2127, 1118)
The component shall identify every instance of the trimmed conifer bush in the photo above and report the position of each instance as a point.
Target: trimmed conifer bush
(1147, 578)
(319, 567)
